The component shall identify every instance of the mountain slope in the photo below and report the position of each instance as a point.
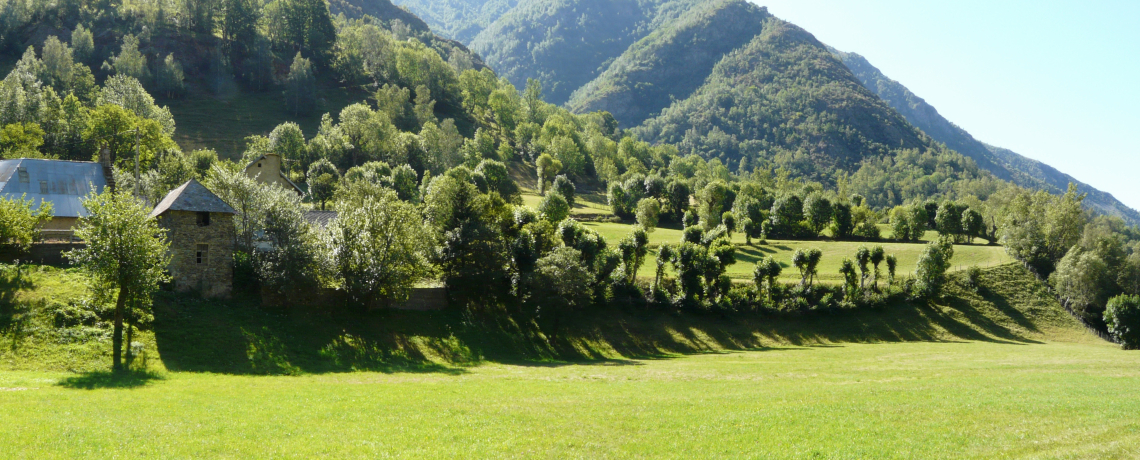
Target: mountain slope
(783, 93)
(670, 63)
(1001, 162)
(459, 19)
(566, 43)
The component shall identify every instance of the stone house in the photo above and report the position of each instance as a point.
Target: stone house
(200, 228)
(266, 169)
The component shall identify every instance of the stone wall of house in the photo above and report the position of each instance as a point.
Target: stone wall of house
(214, 276)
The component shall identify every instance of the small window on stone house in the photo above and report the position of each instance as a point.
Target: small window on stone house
(259, 165)
(203, 219)
(43, 187)
(23, 175)
(202, 254)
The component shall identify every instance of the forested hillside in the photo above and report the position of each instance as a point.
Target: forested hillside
(1003, 163)
(459, 19)
(567, 43)
(670, 63)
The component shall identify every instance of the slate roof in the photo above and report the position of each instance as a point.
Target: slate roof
(192, 196)
(63, 183)
(320, 219)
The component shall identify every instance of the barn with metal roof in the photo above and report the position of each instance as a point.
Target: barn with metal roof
(62, 183)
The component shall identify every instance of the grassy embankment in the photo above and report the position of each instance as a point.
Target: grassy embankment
(965, 255)
(1000, 373)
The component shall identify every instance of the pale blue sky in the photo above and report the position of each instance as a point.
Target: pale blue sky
(1055, 81)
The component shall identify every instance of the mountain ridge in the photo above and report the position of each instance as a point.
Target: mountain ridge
(1002, 162)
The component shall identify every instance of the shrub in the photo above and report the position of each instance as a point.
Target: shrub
(932, 266)
(1123, 319)
(974, 278)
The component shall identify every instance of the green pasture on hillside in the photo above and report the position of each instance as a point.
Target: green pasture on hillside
(584, 204)
(965, 255)
(834, 252)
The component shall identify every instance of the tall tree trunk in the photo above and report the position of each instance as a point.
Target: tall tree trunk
(117, 338)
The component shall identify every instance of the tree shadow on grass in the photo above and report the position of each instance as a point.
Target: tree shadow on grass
(108, 379)
(13, 313)
(239, 337)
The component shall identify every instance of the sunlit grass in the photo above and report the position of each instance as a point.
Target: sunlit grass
(912, 400)
(834, 252)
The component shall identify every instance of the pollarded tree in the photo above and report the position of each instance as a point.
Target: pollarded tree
(565, 186)
(616, 199)
(554, 208)
(800, 260)
(877, 256)
(547, 167)
(749, 228)
(664, 255)
(381, 249)
(728, 220)
(932, 265)
(633, 249)
(814, 256)
(863, 258)
(765, 274)
(648, 210)
(322, 180)
(850, 279)
(892, 265)
(126, 253)
(713, 200)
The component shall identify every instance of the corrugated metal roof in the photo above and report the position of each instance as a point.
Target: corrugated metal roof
(192, 196)
(63, 183)
(320, 218)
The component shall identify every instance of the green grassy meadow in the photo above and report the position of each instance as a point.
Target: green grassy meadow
(1001, 372)
(906, 400)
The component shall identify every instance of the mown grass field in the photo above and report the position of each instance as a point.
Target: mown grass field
(1003, 372)
(915, 400)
